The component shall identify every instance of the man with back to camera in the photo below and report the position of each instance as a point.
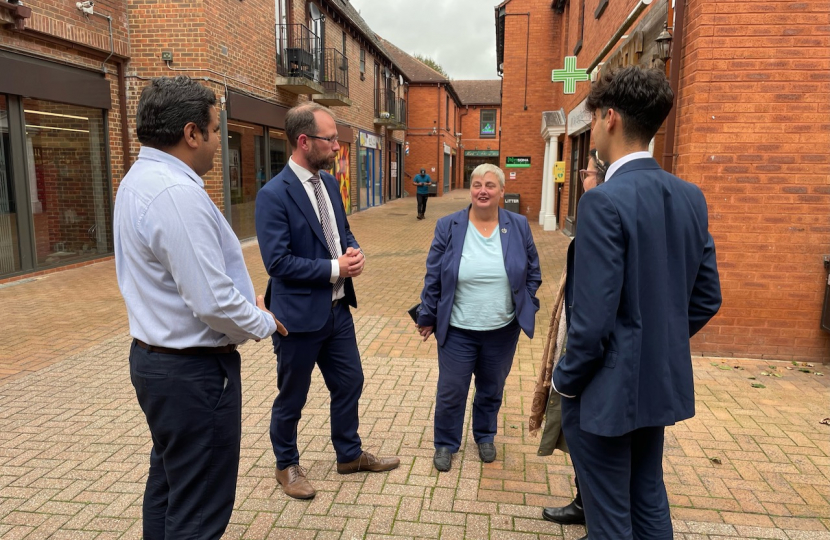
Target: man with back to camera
(645, 282)
(423, 181)
(312, 257)
(190, 302)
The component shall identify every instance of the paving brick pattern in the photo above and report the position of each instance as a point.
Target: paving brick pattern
(753, 463)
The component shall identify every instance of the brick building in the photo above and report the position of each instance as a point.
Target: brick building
(72, 76)
(480, 121)
(751, 83)
(433, 134)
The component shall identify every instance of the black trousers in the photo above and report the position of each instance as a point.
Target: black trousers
(422, 203)
(193, 406)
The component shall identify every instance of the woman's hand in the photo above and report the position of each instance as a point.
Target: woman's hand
(425, 331)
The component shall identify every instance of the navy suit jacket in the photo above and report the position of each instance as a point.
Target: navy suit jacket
(645, 280)
(521, 262)
(295, 251)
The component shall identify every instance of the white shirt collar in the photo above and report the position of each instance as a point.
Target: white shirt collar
(623, 160)
(302, 173)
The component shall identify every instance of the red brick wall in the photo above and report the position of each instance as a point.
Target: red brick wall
(427, 106)
(521, 127)
(753, 134)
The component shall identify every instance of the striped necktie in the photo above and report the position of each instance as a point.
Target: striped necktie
(325, 222)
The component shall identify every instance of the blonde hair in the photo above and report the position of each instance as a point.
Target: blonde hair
(485, 168)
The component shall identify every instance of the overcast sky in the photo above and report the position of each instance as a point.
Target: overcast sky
(458, 34)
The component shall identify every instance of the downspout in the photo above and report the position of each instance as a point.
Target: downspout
(226, 164)
(122, 109)
(461, 158)
(438, 165)
(674, 80)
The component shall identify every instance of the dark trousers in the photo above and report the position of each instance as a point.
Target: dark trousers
(620, 480)
(488, 355)
(334, 349)
(195, 419)
(422, 203)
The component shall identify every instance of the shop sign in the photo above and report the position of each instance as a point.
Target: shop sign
(517, 162)
(369, 140)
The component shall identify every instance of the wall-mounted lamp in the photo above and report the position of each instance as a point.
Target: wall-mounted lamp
(663, 41)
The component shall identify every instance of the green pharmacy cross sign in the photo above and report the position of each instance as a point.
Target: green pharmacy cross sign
(570, 75)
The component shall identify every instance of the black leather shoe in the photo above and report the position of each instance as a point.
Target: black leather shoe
(572, 514)
(487, 452)
(442, 459)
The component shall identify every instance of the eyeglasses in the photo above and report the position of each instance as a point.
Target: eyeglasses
(585, 173)
(332, 139)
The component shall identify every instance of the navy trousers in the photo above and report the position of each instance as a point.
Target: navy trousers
(193, 406)
(620, 480)
(334, 349)
(489, 356)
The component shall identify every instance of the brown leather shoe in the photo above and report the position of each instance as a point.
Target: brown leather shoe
(294, 483)
(368, 462)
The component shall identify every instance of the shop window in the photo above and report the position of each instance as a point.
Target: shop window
(69, 188)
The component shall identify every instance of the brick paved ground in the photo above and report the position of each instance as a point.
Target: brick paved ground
(753, 463)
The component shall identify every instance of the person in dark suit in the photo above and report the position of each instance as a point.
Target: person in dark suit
(312, 257)
(479, 292)
(645, 281)
(552, 437)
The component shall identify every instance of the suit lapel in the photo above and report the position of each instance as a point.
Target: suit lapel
(504, 231)
(300, 196)
(459, 231)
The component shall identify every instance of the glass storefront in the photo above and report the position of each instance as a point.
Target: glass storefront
(9, 243)
(69, 189)
(55, 194)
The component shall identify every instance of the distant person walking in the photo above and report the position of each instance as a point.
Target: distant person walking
(422, 181)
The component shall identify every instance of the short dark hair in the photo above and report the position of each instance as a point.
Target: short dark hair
(168, 104)
(642, 97)
(300, 121)
(602, 168)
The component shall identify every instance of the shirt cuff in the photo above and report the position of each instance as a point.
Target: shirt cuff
(553, 385)
(335, 271)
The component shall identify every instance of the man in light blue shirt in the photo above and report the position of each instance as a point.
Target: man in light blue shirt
(190, 302)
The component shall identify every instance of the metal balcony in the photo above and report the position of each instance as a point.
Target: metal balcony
(390, 110)
(335, 80)
(299, 59)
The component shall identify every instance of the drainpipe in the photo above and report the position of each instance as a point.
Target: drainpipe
(461, 158)
(439, 187)
(226, 164)
(674, 80)
(122, 110)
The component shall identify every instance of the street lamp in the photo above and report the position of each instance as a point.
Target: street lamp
(664, 43)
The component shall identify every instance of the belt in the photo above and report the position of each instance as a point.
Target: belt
(336, 303)
(190, 351)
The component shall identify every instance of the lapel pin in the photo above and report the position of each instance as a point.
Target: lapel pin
(504, 231)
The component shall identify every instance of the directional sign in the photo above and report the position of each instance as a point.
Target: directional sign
(570, 75)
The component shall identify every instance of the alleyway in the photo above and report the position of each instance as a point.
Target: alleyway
(753, 463)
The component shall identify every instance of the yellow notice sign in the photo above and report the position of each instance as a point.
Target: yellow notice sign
(559, 172)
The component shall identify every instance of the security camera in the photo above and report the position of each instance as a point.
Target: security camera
(85, 7)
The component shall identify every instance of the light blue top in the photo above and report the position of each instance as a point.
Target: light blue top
(483, 300)
(179, 264)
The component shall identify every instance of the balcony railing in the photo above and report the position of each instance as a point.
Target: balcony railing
(402, 111)
(298, 52)
(335, 76)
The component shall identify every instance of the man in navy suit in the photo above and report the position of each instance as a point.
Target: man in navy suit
(645, 281)
(312, 257)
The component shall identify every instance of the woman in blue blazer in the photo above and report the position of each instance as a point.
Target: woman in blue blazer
(479, 292)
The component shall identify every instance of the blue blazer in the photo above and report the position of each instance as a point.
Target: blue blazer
(520, 261)
(295, 251)
(645, 280)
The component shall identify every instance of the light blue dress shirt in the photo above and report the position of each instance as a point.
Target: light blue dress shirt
(483, 300)
(179, 264)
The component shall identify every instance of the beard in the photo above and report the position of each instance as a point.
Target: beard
(321, 161)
